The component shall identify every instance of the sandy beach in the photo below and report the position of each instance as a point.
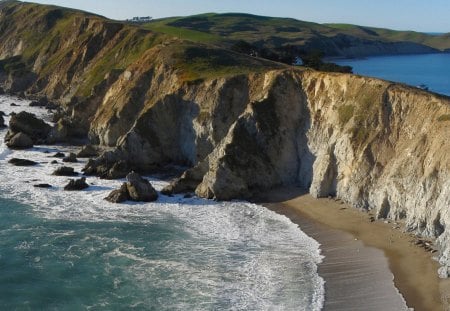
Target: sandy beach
(367, 263)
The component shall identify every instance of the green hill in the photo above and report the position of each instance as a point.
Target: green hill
(273, 33)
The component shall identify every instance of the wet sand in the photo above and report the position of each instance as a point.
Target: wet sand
(363, 259)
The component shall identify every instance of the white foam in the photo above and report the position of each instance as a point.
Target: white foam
(252, 258)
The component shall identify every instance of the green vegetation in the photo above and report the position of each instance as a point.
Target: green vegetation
(182, 33)
(197, 62)
(444, 117)
(129, 49)
(272, 33)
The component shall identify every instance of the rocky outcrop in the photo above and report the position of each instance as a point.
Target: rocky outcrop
(18, 141)
(65, 171)
(22, 162)
(27, 123)
(376, 145)
(120, 195)
(135, 189)
(76, 184)
(88, 151)
(139, 189)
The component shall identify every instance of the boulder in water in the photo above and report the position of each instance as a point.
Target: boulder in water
(76, 184)
(59, 155)
(119, 195)
(29, 124)
(21, 162)
(43, 186)
(18, 141)
(65, 171)
(136, 189)
(140, 188)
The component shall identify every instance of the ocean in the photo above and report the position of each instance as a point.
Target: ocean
(75, 251)
(431, 70)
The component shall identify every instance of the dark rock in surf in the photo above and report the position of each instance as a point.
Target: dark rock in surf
(22, 162)
(45, 186)
(65, 171)
(119, 195)
(18, 141)
(140, 189)
(76, 184)
(29, 124)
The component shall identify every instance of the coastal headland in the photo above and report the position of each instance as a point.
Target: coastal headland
(240, 126)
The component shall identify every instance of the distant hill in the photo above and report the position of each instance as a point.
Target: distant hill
(273, 32)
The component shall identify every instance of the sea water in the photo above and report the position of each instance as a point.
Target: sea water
(431, 70)
(75, 251)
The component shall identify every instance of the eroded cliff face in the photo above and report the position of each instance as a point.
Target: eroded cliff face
(376, 145)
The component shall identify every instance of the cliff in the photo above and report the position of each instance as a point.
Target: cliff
(242, 125)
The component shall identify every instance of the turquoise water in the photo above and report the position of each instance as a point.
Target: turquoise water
(75, 251)
(432, 70)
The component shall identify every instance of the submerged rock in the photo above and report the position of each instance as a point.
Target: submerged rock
(65, 171)
(21, 162)
(43, 186)
(19, 141)
(2, 120)
(59, 155)
(76, 184)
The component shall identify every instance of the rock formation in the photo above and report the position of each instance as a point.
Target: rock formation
(88, 151)
(376, 145)
(120, 195)
(76, 184)
(27, 123)
(22, 162)
(65, 171)
(136, 189)
(19, 141)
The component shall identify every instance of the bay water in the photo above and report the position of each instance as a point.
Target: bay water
(431, 70)
(75, 251)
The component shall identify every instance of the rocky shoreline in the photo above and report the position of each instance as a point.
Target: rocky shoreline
(375, 145)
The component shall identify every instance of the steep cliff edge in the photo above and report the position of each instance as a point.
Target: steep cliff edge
(376, 145)
(243, 125)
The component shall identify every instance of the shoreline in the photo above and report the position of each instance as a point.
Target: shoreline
(370, 256)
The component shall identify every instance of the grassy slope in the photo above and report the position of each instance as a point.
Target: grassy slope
(53, 33)
(273, 32)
